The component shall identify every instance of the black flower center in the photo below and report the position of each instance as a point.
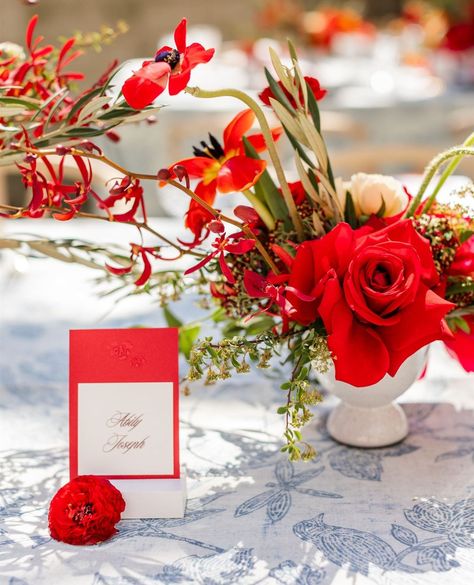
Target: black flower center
(85, 510)
(214, 150)
(171, 57)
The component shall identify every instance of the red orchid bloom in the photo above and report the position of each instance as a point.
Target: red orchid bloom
(137, 251)
(313, 83)
(223, 244)
(271, 288)
(53, 191)
(170, 67)
(224, 169)
(274, 288)
(126, 192)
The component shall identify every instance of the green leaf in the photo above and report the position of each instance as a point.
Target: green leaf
(313, 108)
(381, 210)
(171, 319)
(282, 410)
(349, 211)
(82, 101)
(29, 104)
(266, 190)
(259, 325)
(219, 315)
(84, 132)
(187, 336)
(277, 92)
(54, 109)
(459, 287)
(292, 50)
(299, 148)
(465, 235)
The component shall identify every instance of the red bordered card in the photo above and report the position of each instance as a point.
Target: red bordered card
(123, 403)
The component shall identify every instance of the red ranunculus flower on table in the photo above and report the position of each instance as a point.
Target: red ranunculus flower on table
(85, 511)
(373, 294)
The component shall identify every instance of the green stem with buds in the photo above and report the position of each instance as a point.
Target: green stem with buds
(267, 134)
(457, 153)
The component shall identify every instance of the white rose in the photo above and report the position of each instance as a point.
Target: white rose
(370, 191)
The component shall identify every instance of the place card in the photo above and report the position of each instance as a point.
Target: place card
(124, 421)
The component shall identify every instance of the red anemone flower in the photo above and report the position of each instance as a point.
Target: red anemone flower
(313, 83)
(224, 169)
(170, 67)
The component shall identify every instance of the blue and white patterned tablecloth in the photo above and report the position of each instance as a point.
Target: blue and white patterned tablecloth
(402, 514)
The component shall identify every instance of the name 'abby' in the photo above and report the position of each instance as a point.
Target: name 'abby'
(124, 419)
(121, 443)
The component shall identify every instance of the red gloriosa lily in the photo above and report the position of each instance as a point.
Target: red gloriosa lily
(223, 168)
(170, 67)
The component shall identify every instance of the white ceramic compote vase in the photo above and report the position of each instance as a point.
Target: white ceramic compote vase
(368, 416)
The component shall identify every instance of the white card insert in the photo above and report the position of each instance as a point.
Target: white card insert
(125, 428)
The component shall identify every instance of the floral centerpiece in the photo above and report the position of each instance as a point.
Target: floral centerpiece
(330, 271)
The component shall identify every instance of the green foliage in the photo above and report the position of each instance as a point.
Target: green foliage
(187, 333)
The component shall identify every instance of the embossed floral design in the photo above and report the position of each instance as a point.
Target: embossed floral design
(277, 500)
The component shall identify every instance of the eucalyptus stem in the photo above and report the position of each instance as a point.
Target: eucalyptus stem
(261, 209)
(252, 104)
(457, 152)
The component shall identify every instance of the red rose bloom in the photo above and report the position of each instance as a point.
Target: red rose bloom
(85, 511)
(313, 83)
(373, 294)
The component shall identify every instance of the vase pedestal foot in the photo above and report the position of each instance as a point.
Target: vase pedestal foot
(367, 427)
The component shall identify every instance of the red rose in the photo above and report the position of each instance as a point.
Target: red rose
(373, 295)
(85, 511)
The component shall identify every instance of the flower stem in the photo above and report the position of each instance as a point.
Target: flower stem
(261, 209)
(448, 171)
(252, 104)
(457, 153)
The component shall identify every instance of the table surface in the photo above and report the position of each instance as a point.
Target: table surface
(351, 516)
